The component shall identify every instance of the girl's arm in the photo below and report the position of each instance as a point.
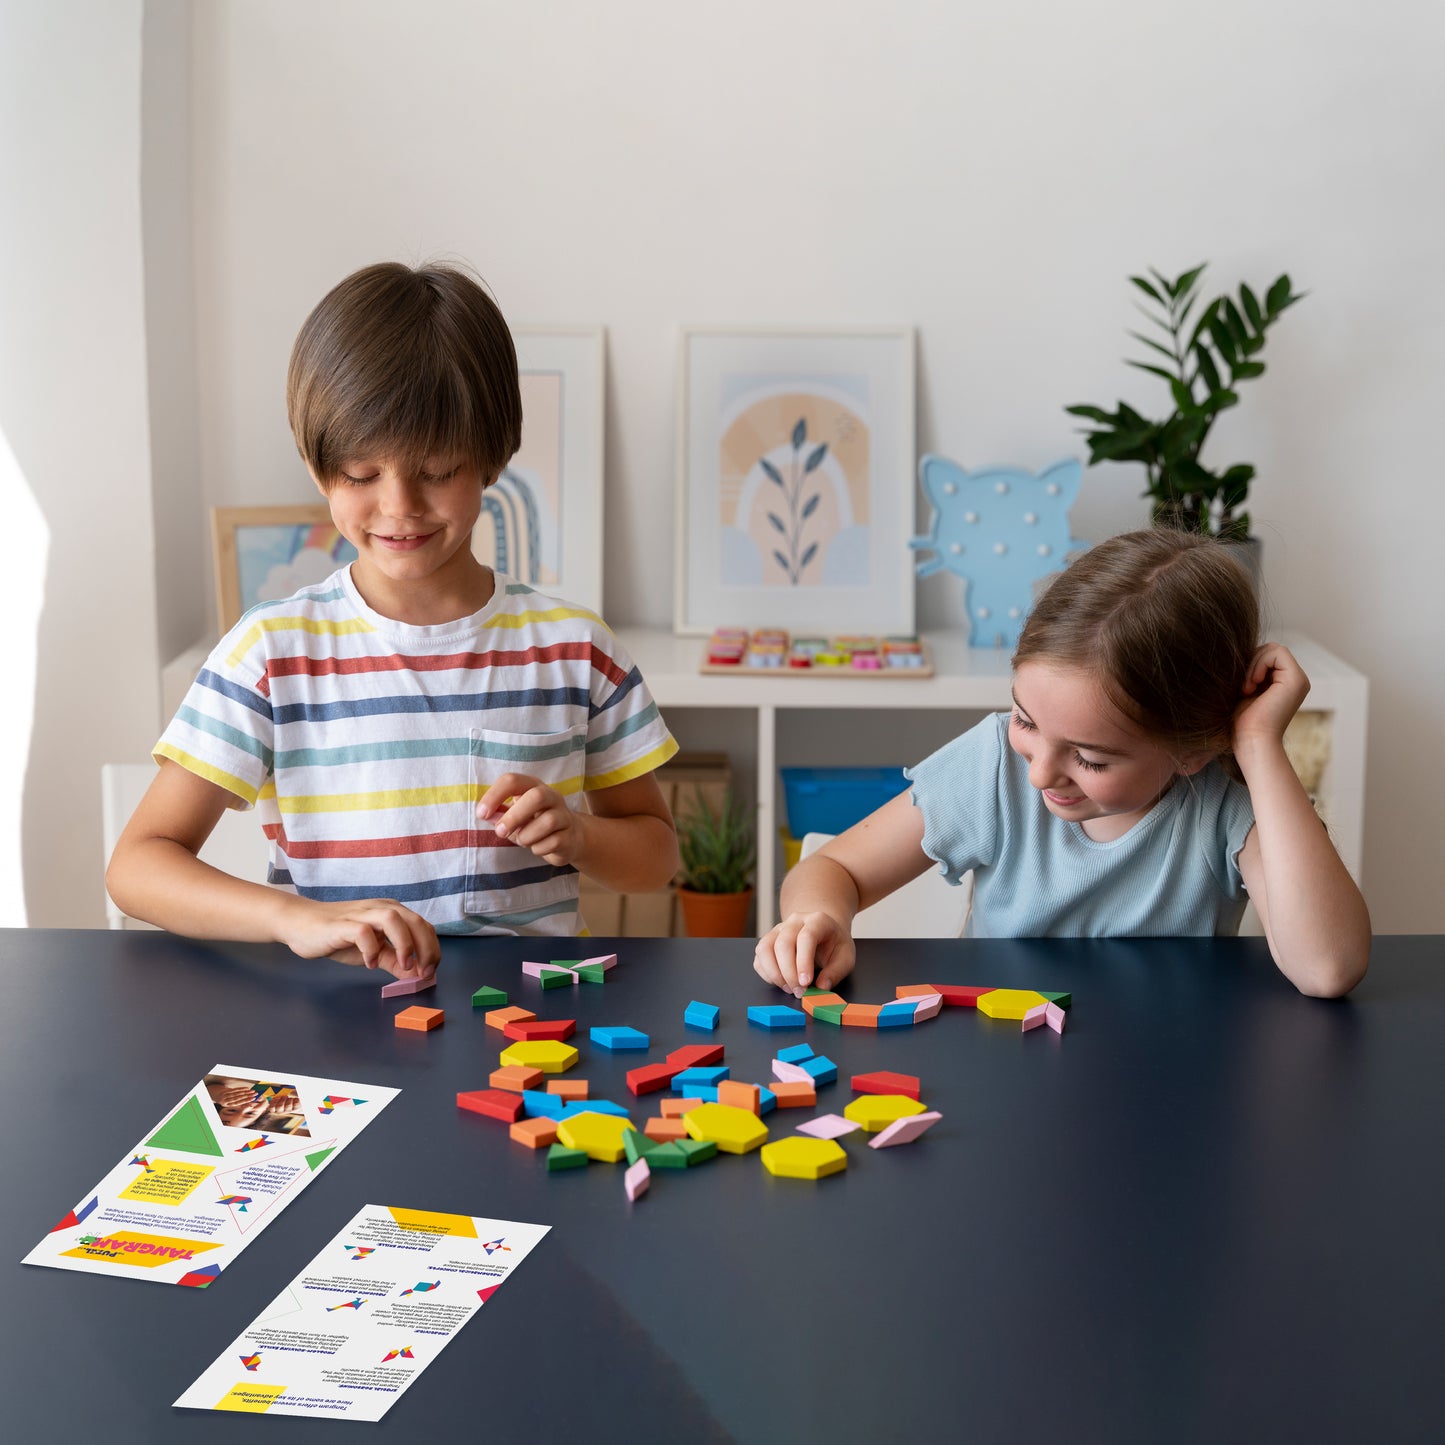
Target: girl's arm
(1313, 914)
(826, 890)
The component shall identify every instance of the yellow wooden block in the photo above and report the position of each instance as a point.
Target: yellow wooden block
(548, 1055)
(1009, 1003)
(878, 1111)
(598, 1136)
(799, 1158)
(733, 1130)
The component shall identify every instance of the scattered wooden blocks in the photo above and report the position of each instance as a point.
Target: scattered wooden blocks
(904, 1131)
(619, 1038)
(676, 1108)
(534, 1133)
(665, 1130)
(568, 1089)
(545, 1054)
(499, 1018)
(494, 1103)
(876, 1111)
(829, 1126)
(803, 1158)
(701, 1015)
(884, 1082)
(486, 997)
(740, 1096)
(403, 986)
(692, 1056)
(636, 1180)
(1036, 1017)
(598, 1136)
(777, 1016)
(420, 1019)
(1008, 1003)
(1054, 1013)
(525, 1031)
(559, 1156)
(514, 1078)
(734, 1131)
(795, 1096)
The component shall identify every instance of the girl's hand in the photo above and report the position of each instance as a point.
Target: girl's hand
(374, 932)
(805, 946)
(533, 816)
(1273, 691)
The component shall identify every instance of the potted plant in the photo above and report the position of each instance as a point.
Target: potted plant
(718, 853)
(1204, 353)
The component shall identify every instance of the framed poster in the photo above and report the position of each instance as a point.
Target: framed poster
(263, 553)
(796, 489)
(541, 520)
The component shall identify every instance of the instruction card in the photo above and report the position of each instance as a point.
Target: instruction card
(214, 1172)
(366, 1316)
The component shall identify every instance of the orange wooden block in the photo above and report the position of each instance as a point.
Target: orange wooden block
(499, 1018)
(794, 1096)
(913, 990)
(515, 1078)
(861, 1015)
(810, 1001)
(740, 1096)
(676, 1108)
(568, 1088)
(419, 1018)
(534, 1133)
(665, 1129)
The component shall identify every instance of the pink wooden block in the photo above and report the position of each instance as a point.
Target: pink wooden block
(786, 1073)
(1055, 1015)
(828, 1126)
(535, 970)
(603, 961)
(926, 1005)
(1036, 1017)
(636, 1180)
(408, 985)
(904, 1131)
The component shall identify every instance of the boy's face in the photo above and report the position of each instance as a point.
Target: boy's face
(412, 533)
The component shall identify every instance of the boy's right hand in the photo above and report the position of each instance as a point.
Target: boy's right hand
(374, 932)
(803, 948)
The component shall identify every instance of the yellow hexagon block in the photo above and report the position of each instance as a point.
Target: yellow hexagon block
(545, 1054)
(598, 1136)
(734, 1131)
(878, 1111)
(1009, 1003)
(798, 1158)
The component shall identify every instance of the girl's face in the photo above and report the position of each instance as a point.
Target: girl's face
(1091, 765)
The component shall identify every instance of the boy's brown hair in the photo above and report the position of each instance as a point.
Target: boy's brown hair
(1167, 621)
(403, 364)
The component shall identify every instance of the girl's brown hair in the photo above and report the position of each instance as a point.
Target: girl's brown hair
(1167, 621)
(404, 364)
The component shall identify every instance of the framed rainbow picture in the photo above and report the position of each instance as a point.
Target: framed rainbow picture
(263, 553)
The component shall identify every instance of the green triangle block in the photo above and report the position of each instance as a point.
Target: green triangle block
(808, 992)
(320, 1157)
(188, 1129)
(557, 978)
(591, 973)
(698, 1151)
(1062, 999)
(638, 1145)
(489, 998)
(668, 1156)
(830, 1013)
(559, 1156)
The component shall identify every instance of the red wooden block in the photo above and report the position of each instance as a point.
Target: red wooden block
(651, 1077)
(861, 1015)
(526, 1030)
(884, 1082)
(740, 1095)
(695, 1056)
(959, 996)
(494, 1103)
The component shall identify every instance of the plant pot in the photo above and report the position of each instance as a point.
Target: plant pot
(715, 915)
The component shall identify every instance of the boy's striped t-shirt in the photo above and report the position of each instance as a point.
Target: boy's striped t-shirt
(365, 744)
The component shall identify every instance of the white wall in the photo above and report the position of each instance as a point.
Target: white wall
(73, 408)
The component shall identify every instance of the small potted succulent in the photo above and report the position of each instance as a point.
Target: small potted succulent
(1201, 352)
(718, 853)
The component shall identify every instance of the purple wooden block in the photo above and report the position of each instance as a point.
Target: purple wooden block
(904, 1131)
(637, 1178)
(828, 1126)
(1055, 1016)
(408, 985)
(786, 1073)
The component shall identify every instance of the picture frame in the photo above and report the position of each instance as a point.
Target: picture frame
(763, 415)
(263, 553)
(541, 520)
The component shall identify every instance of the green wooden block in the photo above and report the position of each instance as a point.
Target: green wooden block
(668, 1156)
(830, 1013)
(639, 1146)
(489, 998)
(566, 962)
(810, 990)
(559, 1156)
(557, 978)
(591, 973)
(1062, 999)
(698, 1151)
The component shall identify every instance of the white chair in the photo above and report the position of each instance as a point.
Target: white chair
(927, 907)
(236, 845)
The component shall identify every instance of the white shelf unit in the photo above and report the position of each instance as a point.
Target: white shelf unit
(966, 680)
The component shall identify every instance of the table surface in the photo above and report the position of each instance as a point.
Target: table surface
(1211, 1210)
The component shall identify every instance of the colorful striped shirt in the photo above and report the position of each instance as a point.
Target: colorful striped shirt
(364, 744)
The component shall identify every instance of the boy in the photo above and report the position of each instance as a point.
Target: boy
(412, 728)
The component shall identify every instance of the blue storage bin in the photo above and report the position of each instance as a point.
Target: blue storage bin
(829, 800)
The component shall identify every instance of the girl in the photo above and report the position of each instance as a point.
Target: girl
(1139, 786)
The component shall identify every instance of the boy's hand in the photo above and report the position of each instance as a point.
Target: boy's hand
(1273, 691)
(374, 932)
(533, 816)
(805, 946)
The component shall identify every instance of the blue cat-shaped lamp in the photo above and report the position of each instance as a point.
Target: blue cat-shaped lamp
(999, 529)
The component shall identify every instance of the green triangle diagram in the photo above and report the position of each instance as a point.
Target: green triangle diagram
(187, 1129)
(320, 1157)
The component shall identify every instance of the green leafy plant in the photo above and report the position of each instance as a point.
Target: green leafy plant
(718, 850)
(1204, 360)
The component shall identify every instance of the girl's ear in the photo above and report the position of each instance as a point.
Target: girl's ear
(1191, 763)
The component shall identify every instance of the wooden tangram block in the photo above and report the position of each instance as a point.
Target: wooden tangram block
(861, 1015)
(515, 1078)
(418, 1018)
(795, 1096)
(568, 1088)
(739, 1096)
(665, 1129)
(494, 1103)
(525, 1030)
(676, 1108)
(534, 1133)
(409, 985)
(499, 1018)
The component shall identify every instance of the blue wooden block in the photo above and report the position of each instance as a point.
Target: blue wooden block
(822, 1069)
(619, 1037)
(776, 1016)
(593, 1106)
(796, 1054)
(896, 1015)
(700, 1091)
(701, 1074)
(767, 1100)
(701, 1015)
(537, 1104)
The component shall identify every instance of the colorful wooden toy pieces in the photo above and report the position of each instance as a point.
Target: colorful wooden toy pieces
(904, 1131)
(777, 1016)
(420, 1019)
(564, 973)
(401, 986)
(514, 1078)
(876, 1111)
(499, 1018)
(549, 1055)
(526, 1031)
(797, 1158)
(598, 1136)
(619, 1038)
(1009, 1003)
(829, 1126)
(1044, 1013)
(733, 1130)
(494, 1103)
(486, 997)
(637, 1178)
(884, 1082)
(701, 1015)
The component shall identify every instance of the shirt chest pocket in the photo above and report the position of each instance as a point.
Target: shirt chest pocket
(557, 759)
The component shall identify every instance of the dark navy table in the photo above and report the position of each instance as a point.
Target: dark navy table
(1212, 1210)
